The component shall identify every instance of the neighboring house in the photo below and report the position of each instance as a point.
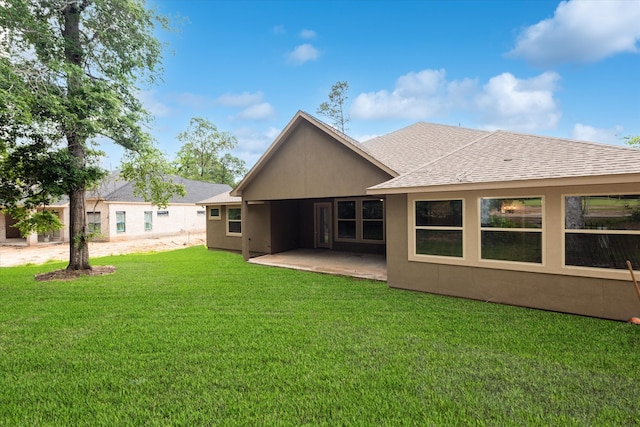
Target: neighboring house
(495, 216)
(115, 213)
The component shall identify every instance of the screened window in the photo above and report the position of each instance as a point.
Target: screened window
(511, 229)
(162, 213)
(234, 221)
(148, 221)
(347, 219)
(602, 231)
(438, 227)
(94, 222)
(121, 217)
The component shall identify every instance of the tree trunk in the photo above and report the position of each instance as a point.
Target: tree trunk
(79, 245)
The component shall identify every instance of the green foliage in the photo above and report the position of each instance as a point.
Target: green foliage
(335, 108)
(40, 222)
(150, 174)
(198, 337)
(201, 155)
(69, 74)
(633, 141)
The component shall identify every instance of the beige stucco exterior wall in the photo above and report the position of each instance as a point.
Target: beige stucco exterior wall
(182, 219)
(217, 237)
(551, 286)
(311, 164)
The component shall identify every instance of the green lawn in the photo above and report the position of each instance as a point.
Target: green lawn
(194, 337)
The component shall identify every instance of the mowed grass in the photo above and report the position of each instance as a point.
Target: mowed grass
(196, 337)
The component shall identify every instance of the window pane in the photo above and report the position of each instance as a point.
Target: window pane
(373, 230)
(347, 210)
(148, 218)
(439, 242)
(215, 212)
(439, 213)
(372, 209)
(511, 213)
(602, 212)
(235, 227)
(235, 214)
(602, 250)
(120, 221)
(346, 229)
(512, 246)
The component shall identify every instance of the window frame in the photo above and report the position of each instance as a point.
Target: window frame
(123, 222)
(148, 215)
(228, 220)
(566, 231)
(91, 214)
(217, 217)
(540, 230)
(359, 221)
(413, 250)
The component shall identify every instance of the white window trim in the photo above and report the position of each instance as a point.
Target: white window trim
(150, 221)
(413, 255)
(227, 220)
(124, 222)
(528, 230)
(359, 221)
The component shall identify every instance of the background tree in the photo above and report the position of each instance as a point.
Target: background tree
(69, 73)
(201, 155)
(334, 108)
(633, 141)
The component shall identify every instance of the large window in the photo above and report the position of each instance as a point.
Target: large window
(94, 222)
(121, 217)
(602, 231)
(148, 220)
(438, 227)
(234, 221)
(360, 220)
(511, 229)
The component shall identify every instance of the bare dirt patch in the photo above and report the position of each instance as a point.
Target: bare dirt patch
(64, 275)
(11, 256)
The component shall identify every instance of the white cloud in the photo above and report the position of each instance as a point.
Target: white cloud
(244, 99)
(253, 143)
(260, 111)
(416, 96)
(193, 100)
(507, 102)
(581, 31)
(589, 133)
(308, 34)
(303, 53)
(152, 104)
(503, 102)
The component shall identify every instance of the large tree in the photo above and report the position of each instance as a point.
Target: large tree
(201, 155)
(334, 108)
(69, 73)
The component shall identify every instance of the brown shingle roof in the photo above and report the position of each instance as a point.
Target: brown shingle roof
(507, 156)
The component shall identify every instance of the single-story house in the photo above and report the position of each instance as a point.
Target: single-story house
(496, 216)
(115, 213)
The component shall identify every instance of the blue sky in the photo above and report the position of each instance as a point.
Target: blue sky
(565, 69)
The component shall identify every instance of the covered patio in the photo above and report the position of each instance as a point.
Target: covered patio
(354, 264)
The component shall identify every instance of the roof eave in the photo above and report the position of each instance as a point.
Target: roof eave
(514, 184)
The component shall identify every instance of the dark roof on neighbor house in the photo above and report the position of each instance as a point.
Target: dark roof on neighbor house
(115, 189)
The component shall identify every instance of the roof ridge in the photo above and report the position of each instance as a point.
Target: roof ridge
(444, 156)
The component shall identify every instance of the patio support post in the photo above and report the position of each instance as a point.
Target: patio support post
(245, 232)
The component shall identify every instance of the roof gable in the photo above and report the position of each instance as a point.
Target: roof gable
(300, 118)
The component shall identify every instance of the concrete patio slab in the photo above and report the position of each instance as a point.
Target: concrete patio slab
(366, 266)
